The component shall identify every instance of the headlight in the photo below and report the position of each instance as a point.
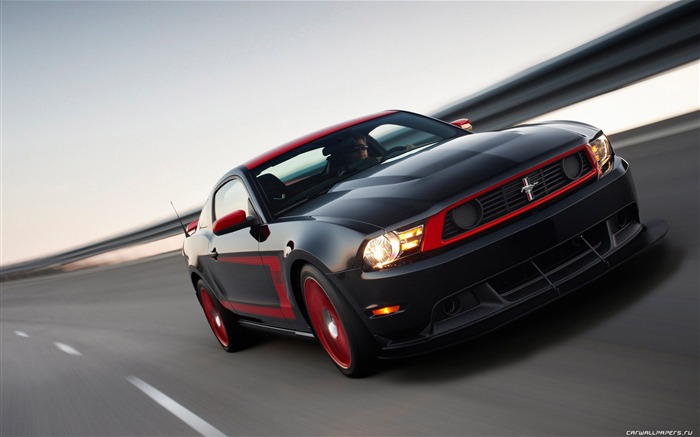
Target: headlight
(385, 249)
(603, 154)
(382, 250)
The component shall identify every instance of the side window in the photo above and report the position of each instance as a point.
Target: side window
(231, 197)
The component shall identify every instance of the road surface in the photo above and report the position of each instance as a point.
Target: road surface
(126, 350)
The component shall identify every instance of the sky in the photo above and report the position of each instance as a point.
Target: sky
(110, 110)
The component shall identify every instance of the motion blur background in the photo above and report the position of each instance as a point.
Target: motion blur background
(110, 110)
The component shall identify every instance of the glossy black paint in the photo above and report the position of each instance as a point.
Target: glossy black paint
(425, 284)
(413, 185)
(256, 269)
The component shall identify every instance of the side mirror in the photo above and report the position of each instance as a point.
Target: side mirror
(463, 123)
(192, 228)
(231, 222)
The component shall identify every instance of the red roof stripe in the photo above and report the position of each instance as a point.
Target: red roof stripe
(284, 148)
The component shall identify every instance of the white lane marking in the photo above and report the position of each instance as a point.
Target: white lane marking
(178, 410)
(70, 350)
(21, 334)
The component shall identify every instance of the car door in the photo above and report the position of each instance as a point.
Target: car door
(244, 277)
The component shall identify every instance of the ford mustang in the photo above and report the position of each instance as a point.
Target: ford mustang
(396, 233)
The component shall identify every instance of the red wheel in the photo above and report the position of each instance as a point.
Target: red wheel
(214, 317)
(327, 324)
(231, 337)
(345, 340)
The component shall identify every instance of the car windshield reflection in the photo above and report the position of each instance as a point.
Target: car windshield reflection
(313, 169)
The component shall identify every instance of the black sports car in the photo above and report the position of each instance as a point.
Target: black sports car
(397, 234)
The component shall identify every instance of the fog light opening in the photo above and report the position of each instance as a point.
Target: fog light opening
(451, 307)
(622, 219)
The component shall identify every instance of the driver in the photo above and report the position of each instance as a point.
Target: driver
(354, 155)
(355, 149)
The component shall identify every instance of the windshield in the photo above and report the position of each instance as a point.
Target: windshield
(312, 169)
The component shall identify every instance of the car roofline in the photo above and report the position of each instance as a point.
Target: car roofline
(287, 147)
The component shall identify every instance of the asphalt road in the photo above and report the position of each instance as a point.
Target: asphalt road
(125, 350)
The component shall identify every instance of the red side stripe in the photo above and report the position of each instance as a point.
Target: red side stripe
(284, 311)
(256, 310)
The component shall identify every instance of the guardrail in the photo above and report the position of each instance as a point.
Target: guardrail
(653, 44)
(146, 234)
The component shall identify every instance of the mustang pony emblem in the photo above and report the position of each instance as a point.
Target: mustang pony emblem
(527, 189)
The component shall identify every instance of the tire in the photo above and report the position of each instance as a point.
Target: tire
(228, 333)
(337, 328)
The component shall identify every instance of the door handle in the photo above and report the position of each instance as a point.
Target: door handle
(214, 254)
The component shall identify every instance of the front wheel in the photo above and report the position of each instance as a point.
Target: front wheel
(230, 336)
(336, 327)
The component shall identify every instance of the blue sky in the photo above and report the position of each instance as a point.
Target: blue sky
(110, 110)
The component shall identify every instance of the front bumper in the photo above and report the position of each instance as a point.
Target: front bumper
(472, 287)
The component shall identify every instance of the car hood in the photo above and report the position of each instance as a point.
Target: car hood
(424, 181)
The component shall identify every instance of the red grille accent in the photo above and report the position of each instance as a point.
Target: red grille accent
(505, 200)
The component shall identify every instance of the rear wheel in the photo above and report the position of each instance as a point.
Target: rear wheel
(336, 327)
(230, 336)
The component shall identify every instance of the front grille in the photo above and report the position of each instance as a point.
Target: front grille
(510, 197)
